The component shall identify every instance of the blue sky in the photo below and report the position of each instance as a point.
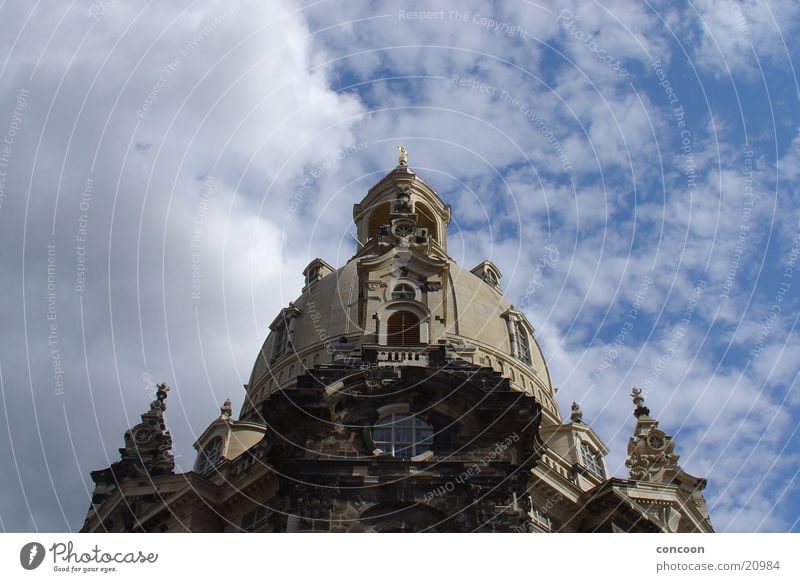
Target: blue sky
(653, 145)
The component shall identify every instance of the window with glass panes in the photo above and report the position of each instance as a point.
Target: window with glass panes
(281, 342)
(523, 347)
(402, 435)
(592, 460)
(541, 519)
(211, 455)
(403, 292)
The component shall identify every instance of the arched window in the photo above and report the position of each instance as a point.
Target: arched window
(380, 217)
(402, 329)
(402, 435)
(425, 219)
(403, 291)
(210, 456)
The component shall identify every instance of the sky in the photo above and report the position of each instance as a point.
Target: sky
(168, 169)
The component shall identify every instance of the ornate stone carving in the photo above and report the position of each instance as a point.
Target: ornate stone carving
(650, 450)
(148, 445)
(402, 202)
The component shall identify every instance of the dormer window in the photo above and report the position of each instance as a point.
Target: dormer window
(315, 271)
(520, 339)
(281, 344)
(281, 329)
(489, 272)
(210, 456)
(313, 275)
(519, 335)
(592, 460)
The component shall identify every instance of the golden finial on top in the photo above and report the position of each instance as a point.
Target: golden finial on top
(403, 161)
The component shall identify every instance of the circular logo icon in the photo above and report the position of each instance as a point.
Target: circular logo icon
(31, 555)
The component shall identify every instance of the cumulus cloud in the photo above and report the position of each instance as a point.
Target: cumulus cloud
(142, 216)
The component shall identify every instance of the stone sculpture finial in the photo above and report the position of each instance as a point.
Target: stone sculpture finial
(148, 445)
(403, 161)
(638, 402)
(161, 395)
(577, 414)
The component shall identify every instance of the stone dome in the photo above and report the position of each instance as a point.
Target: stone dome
(401, 272)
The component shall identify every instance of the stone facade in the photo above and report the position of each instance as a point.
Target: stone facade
(399, 392)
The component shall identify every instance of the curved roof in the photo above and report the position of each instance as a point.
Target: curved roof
(463, 309)
(329, 310)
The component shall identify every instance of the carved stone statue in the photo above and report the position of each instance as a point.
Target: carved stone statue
(403, 161)
(402, 202)
(226, 410)
(577, 414)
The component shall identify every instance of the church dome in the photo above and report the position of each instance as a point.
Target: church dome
(399, 392)
(400, 297)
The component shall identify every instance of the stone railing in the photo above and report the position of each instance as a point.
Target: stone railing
(401, 357)
(387, 356)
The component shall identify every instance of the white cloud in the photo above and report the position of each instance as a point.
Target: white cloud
(736, 34)
(230, 96)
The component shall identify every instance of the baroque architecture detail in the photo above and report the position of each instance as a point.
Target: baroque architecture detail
(650, 451)
(148, 445)
(398, 393)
